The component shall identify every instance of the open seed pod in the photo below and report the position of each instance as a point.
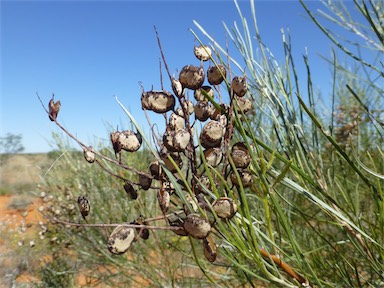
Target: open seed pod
(239, 85)
(158, 101)
(89, 155)
(176, 141)
(115, 142)
(129, 140)
(243, 104)
(164, 198)
(177, 222)
(191, 77)
(189, 107)
(240, 155)
(203, 53)
(177, 87)
(212, 134)
(193, 202)
(245, 176)
(176, 158)
(213, 156)
(120, 239)
(53, 109)
(210, 248)
(224, 207)
(131, 191)
(84, 206)
(156, 170)
(176, 122)
(216, 74)
(203, 110)
(199, 95)
(142, 232)
(145, 181)
(197, 226)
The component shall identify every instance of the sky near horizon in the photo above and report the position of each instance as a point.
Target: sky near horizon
(88, 52)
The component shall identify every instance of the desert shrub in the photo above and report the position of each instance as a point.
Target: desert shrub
(253, 173)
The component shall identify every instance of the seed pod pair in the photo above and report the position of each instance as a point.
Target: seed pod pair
(126, 140)
(191, 77)
(213, 156)
(224, 207)
(120, 239)
(243, 105)
(246, 178)
(176, 141)
(212, 134)
(203, 111)
(157, 101)
(216, 74)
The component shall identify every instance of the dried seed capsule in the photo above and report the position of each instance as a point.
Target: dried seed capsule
(53, 109)
(84, 206)
(216, 74)
(176, 141)
(115, 142)
(203, 111)
(213, 156)
(212, 134)
(129, 140)
(131, 191)
(197, 226)
(243, 105)
(202, 52)
(164, 199)
(189, 107)
(199, 93)
(224, 207)
(156, 170)
(245, 177)
(145, 181)
(210, 249)
(120, 239)
(89, 155)
(177, 87)
(176, 122)
(142, 232)
(191, 77)
(158, 101)
(217, 113)
(240, 155)
(239, 85)
(177, 222)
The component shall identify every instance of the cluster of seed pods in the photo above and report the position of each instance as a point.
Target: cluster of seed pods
(179, 151)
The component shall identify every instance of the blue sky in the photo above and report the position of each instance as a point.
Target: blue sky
(87, 52)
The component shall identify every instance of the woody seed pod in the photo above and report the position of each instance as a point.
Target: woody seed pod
(199, 95)
(129, 140)
(158, 101)
(203, 53)
(216, 74)
(224, 207)
(120, 239)
(89, 155)
(240, 155)
(239, 85)
(53, 109)
(164, 199)
(213, 156)
(197, 226)
(203, 111)
(177, 87)
(115, 142)
(210, 249)
(212, 134)
(131, 191)
(191, 77)
(189, 107)
(217, 113)
(145, 181)
(243, 105)
(245, 177)
(156, 170)
(176, 122)
(84, 206)
(176, 141)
